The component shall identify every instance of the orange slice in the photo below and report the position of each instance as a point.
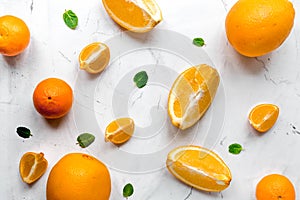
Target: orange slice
(263, 116)
(134, 15)
(199, 167)
(94, 57)
(32, 166)
(192, 94)
(119, 131)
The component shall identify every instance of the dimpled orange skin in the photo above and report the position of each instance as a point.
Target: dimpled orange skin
(14, 35)
(275, 187)
(255, 28)
(78, 176)
(53, 98)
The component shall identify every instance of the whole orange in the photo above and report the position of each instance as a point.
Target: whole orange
(14, 35)
(257, 27)
(78, 176)
(53, 98)
(275, 187)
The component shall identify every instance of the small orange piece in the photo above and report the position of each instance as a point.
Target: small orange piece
(78, 176)
(119, 131)
(94, 57)
(199, 167)
(32, 166)
(14, 35)
(255, 28)
(263, 116)
(136, 16)
(275, 187)
(53, 98)
(191, 95)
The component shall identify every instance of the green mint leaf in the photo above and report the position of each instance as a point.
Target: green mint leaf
(23, 132)
(198, 42)
(235, 148)
(85, 139)
(127, 190)
(70, 18)
(141, 79)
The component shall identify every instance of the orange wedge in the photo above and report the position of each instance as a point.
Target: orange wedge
(119, 131)
(32, 166)
(199, 167)
(191, 95)
(94, 57)
(263, 116)
(137, 16)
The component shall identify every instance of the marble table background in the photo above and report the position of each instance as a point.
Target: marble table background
(53, 52)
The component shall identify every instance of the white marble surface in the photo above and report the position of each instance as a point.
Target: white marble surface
(53, 52)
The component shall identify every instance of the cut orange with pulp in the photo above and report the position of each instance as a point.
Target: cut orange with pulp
(263, 116)
(94, 57)
(119, 131)
(136, 16)
(32, 166)
(192, 94)
(199, 167)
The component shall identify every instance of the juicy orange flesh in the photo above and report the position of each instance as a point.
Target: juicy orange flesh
(124, 133)
(99, 62)
(203, 161)
(89, 51)
(192, 82)
(32, 166)
(264, 116)
(94, 57)
(197, 180)
(27, 164)
(200, 168)
(137, 17)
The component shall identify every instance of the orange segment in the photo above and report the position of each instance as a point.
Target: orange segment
(192, 94)
(263, 116)
(119, 130)
(136, 16)
(199, 167)
(32, 166)
(94, 57)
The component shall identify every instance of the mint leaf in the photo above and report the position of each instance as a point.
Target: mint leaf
(23, 132)
(70, 19)
(141, 79)
(198, 42)
(128, 190)
(85, 139)
(235, 148)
